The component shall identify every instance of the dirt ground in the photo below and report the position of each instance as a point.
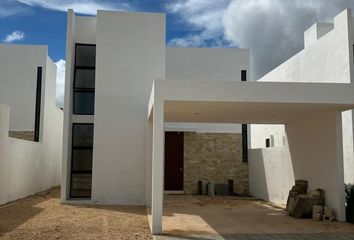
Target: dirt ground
(233, 216)
(42, 217)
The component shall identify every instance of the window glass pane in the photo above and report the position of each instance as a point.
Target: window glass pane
(243, 75)
(85, 78)
(84, 103)
(83, 135)
(81, 185)
(85, 55)
(82, 160)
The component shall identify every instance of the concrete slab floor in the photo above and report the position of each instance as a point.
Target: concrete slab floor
(204, 217)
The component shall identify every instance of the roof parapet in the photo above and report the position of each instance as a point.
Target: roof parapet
(318, 30)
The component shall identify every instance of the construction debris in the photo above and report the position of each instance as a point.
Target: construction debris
(328, 215)
(299, 188)
(308, 205)
(317, 212)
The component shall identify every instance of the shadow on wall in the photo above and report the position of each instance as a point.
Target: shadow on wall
(257, 174)
(316, 152)
(271, 173)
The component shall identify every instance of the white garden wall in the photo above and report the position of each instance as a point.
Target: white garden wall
(271, 174)
(27, 167)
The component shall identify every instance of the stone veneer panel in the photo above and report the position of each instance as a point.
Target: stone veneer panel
(214, 157)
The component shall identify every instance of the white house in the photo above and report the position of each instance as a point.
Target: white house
(115, 70)
(129, 99)
(30, 122)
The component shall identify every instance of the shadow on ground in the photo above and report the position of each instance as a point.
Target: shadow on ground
(16, 213)
(43, 217)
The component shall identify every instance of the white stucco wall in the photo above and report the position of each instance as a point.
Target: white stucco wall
(272, 173)
(28, 167)
(206, 64)
(52, 142)
(18, 82)
(259, 133)
(20, 164)
(327, 57)
(127, 62)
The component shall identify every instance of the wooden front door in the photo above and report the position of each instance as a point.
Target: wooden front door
(174, 161)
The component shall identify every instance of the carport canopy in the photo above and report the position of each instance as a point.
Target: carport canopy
(310, 111)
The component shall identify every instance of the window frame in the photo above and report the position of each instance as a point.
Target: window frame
(38, 105)
(81, 89)
(79, 172)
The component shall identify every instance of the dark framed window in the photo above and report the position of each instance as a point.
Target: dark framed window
(244, 127)
(243, 75)
(81, 160)
(37, 118)
(244, 143)
(267, 142)
(85, 55)
(84, 102)
(84, 79)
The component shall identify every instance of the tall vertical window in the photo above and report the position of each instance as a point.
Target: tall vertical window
(84, 79)
(81, 160)
(244, 127)
(37, 118)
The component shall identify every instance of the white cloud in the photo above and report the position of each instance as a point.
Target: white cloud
(60, 82)
(80, 6)
(272, 29)
(14, 36)
(9, 8)
(203, 16)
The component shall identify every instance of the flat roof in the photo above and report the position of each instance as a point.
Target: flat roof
(249, 102)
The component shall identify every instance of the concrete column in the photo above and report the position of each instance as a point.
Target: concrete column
(157, 167)
(67, 123)
(149, 140)
(316, 150)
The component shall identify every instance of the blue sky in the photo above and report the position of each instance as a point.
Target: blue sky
(271, 29)
(47, 26)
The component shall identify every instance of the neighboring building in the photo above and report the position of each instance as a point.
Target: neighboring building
(27, 111)
(108, 80)
(327, 57)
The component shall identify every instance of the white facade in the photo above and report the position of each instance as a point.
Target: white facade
(28, 167)
(206, 64)
(326, 58)
(127, 63)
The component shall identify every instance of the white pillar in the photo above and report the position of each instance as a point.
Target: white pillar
(316, 150)
(157, 167)
(149, 140)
